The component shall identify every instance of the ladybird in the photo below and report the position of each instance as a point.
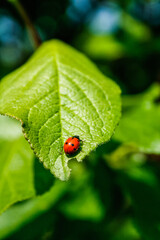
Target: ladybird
(71, 145)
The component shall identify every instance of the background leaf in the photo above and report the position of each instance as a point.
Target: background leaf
(21, 214)
(16, 161)
(100, 46)
(142, 188)
(59, 93)
(139, 125)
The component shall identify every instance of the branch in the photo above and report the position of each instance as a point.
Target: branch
(33, 34)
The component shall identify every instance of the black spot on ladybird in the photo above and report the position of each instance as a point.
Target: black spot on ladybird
(66, 143)
(72, 144)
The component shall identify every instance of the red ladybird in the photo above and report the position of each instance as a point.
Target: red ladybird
(71, 145)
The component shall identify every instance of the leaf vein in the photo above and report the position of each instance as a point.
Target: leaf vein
(94, 82)
(88, 127)
(87, 99)
(58, 77)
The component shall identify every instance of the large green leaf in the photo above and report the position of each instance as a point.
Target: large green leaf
(59, 93)
(16, 165)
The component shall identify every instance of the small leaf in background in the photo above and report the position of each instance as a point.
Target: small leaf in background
(139, 125)
(57, 94)
(139, 30)
(17, 216)
(16, 161)
(124, 157)
(124, 228)
(84, 205)
(142, 187)
(100, 46)
(147, 98)
(83, 200)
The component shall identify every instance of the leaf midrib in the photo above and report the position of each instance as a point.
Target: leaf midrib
(58, 86)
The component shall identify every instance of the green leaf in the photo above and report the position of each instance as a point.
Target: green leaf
(124, 157)
(123, 228)
(144, 99)
(16, 165)
(142, 187)
(59, 93)
(100, 46)
(139, 30)
(140, 123)
(83, 201)
(84, 205)
(19, 215)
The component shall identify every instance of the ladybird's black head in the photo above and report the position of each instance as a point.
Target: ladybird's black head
(76, 137)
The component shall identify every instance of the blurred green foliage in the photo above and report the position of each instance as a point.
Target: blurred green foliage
(16, 161)
(115, 193)
(143, 119)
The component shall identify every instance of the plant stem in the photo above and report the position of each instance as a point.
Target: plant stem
(33, 34)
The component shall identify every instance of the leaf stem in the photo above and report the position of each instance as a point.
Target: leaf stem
(32, 32)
